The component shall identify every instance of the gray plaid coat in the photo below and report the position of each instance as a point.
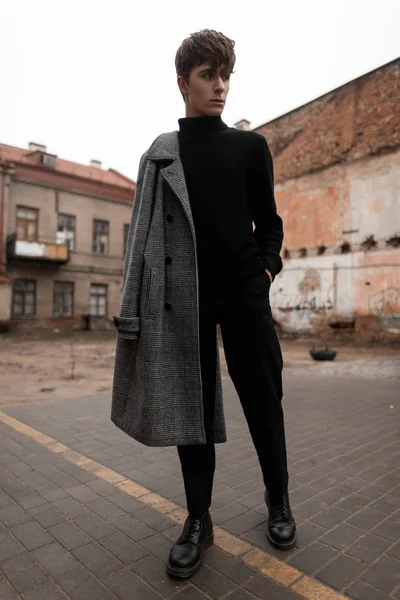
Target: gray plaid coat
(157, 388)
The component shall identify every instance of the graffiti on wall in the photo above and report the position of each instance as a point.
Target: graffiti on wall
(309, 304)
(309, 299)
(386, 303)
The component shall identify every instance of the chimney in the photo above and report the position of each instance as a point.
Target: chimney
(96, 164)
(34, 147)
(244, 125)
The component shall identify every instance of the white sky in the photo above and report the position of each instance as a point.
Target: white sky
(95, 79)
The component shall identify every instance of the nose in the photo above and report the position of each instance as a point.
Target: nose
(219, 84)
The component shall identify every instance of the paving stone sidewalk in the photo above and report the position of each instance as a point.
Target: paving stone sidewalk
(67, 534)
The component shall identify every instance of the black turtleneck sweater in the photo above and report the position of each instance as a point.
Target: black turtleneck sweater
(230, 181)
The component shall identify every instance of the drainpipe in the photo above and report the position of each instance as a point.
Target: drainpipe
(335, 289)
(4, 168)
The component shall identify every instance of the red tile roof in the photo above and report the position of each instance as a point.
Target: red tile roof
(28, 161)
(5, 278)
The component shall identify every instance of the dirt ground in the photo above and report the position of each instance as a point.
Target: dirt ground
(55, 366)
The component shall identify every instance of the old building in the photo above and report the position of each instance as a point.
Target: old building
(337, 184)
(63, 228)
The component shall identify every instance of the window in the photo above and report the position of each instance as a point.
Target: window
(98, 300)
(24, 298)
(100, 237)
(47, 160)
(66, 230)
(63, 299)
(126, 232)
(27, 223)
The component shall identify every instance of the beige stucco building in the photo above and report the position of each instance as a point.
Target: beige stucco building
(63, 228)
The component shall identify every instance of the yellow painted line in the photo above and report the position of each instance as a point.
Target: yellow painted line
(314, 590)
(254, 557)
(271, 566)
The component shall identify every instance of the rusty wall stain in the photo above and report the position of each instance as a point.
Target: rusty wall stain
(377, 205)
(309, 218)
(310, 282)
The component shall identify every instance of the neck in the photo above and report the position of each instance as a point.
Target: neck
(205, 124)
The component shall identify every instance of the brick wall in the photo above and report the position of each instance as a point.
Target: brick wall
(354, 121)
(337, 176)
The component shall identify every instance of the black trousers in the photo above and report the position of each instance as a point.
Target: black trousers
(254, 362)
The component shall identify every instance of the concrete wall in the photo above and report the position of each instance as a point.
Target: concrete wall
(373, 207)
(357, 204)
(311, 292)
(344, 203)
(337, 184)
(377, 286)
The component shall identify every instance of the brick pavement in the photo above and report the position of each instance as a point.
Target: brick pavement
(65, 533)
(344, 446)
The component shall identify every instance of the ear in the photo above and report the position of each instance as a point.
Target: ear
(183, 86)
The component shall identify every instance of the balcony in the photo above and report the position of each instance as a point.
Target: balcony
(43, 252)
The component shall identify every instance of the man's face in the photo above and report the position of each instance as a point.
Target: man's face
(206, 91)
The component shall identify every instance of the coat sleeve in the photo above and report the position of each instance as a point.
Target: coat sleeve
(128, 321)
(268, 231)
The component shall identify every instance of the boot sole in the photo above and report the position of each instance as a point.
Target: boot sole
(283, 546)
(186, 573)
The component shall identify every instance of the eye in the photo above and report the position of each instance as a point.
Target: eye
(226, 76)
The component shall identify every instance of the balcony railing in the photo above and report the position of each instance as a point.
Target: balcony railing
(49, 252)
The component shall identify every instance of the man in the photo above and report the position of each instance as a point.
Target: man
(194, 261)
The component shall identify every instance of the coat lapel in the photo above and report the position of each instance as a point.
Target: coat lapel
(166, 148)
(175, 178)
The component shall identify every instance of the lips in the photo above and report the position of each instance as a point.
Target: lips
(218, 101)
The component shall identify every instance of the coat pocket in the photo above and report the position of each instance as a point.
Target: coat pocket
(126, 352)
(149, 292)
(127, 327)
(267, 281)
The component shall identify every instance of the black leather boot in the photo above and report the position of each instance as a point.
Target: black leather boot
(186, 555)
(281, 530)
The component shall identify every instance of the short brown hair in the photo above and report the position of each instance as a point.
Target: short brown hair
(203, 46)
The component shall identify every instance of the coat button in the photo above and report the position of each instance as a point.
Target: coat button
(167, 306)
(168, 260)
(170, 218)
